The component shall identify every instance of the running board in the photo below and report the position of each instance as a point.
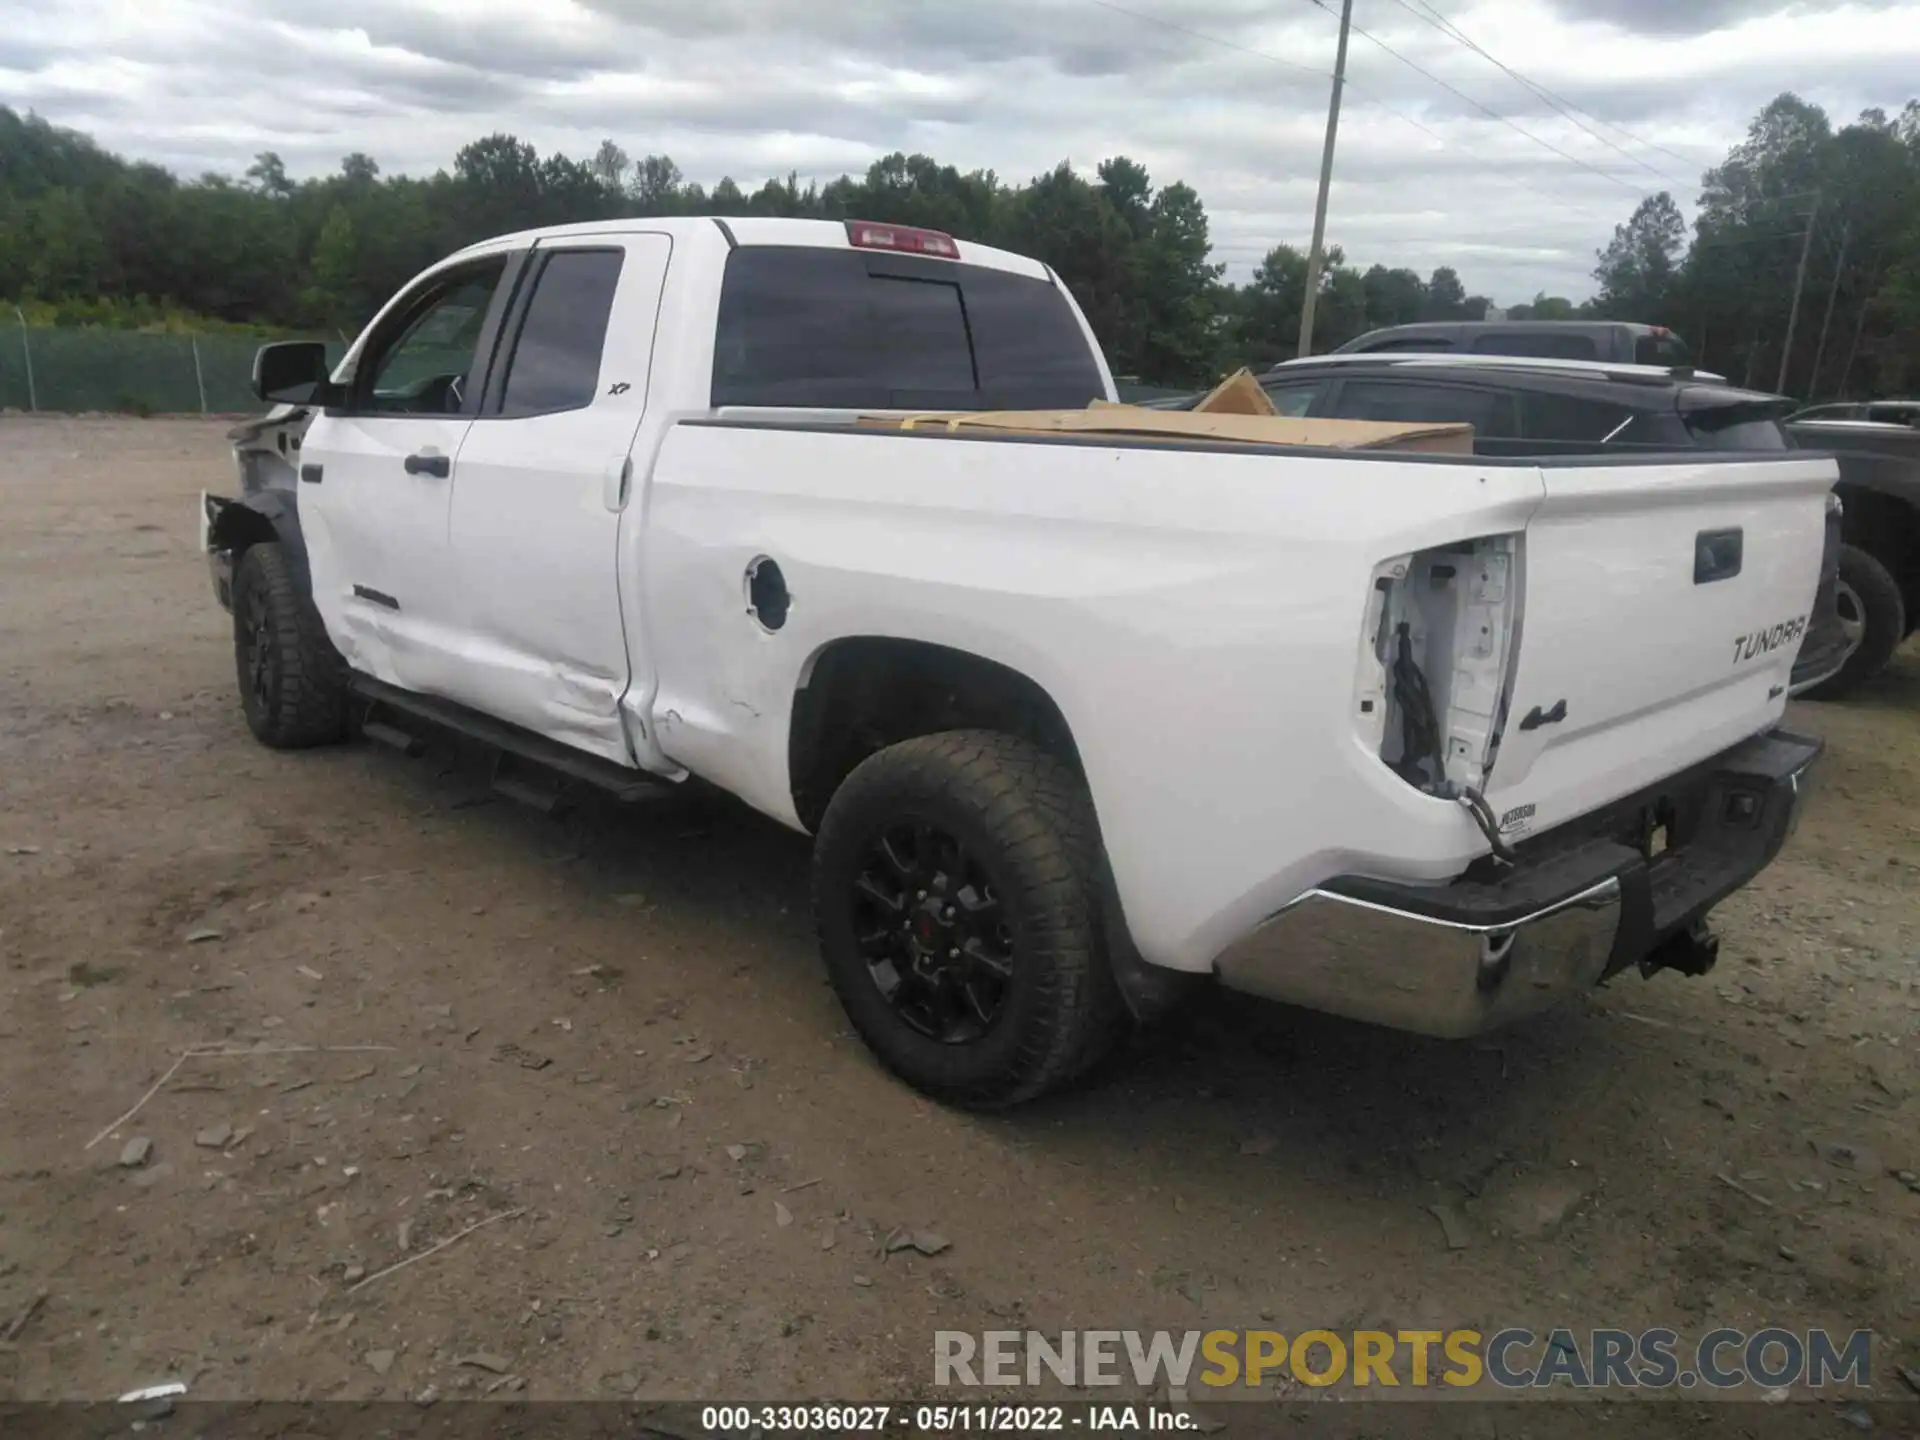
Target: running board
(617, 780)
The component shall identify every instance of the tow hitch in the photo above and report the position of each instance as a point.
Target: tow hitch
(1692, 950)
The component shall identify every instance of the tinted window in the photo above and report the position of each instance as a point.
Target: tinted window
(556, 359)
(1421, 345)
(1894, 414)
(1296, 399)
(1562, 417)
(922, 329)
(847, 330)
(1737, 427)
(1829, 412)
(1491, 415)
(421, 360)
(1546, 345)
(1667, 350)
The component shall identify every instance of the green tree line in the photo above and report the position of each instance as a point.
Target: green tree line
(1845, 201)
(87, 236)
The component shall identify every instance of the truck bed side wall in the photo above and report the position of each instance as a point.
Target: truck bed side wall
(1196, 624)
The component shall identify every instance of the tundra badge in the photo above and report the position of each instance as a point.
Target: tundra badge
(1760, 642)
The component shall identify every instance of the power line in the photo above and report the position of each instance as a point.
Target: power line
(1484, 109)
(1567, 108)
(1401, 115)
(1193, 34)
(1611, 125)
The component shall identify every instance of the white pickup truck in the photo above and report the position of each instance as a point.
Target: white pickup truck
(1430, 740)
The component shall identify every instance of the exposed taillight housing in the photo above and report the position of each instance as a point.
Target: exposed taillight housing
(908, 239)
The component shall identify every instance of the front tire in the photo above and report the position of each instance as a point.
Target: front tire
(954, 893)
(292, 682)
(1874, 613)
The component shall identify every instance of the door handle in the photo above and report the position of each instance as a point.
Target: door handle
(1717, 555)
(427, 462)
(312, 474)
(614, 482)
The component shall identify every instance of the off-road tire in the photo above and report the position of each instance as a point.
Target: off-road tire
(1884, 611)
(1028, 818)
(292, 681)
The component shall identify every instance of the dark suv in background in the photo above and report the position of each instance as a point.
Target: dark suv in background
(1546, 407)
(1613, 342)
(1879, 574)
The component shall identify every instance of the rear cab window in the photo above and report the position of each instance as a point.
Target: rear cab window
(850, 329)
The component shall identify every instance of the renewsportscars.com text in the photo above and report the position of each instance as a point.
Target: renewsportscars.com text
(1508, 1359)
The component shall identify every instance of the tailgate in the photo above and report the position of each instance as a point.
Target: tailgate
(1663, 608)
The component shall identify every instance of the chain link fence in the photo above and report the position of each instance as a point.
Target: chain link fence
(70, 370)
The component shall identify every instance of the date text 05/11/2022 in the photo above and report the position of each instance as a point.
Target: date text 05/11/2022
(945, 1419)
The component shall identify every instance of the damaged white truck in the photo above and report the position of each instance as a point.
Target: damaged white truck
(1431, 740)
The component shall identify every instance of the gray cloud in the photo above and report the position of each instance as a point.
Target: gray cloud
(758, 87)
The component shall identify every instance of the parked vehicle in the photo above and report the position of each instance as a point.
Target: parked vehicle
(1878, 591)
(1876, 412)
(1427, 739)
(1544, 408)
(1608, 341)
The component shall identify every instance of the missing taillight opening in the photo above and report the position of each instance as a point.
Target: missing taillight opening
(1436, 660)
(908, 239)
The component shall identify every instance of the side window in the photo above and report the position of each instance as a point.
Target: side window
(423, 361)
(1562, 417)
(1548, 345)
(1413, 344)
(1668, 349)
(1894, 414)
(555, 364)
(1295, 400)
(1490, 414)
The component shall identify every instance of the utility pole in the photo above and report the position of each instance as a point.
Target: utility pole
(1799, 284)
(1860, 321)
(1316, 255)
(1826, 322)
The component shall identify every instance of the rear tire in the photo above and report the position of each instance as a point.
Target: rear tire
(1869, 598)
(959, 869)
(292, 681)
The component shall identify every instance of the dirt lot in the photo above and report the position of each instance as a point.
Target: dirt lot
(615, 1025)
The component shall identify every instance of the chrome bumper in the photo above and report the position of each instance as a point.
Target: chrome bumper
(1459, 959)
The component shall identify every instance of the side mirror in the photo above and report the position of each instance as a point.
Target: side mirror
(290, 372)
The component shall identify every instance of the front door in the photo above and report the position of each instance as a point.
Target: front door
(378, 471)
(545, 478)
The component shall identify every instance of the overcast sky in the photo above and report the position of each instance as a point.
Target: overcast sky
(757, 87)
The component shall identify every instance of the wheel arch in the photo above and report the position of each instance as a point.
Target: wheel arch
(858, 694)
(267, 517)
(1887, 527)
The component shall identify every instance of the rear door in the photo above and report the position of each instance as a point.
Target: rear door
(545, 479)
(1663, 606)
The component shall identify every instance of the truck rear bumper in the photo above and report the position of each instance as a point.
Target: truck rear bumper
(1585, 901)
